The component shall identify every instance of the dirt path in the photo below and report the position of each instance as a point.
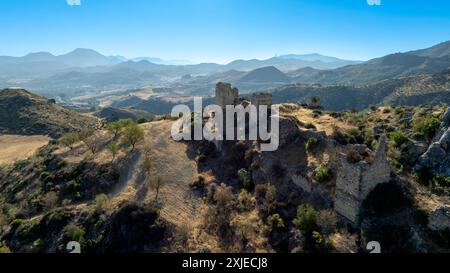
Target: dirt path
(130, 178)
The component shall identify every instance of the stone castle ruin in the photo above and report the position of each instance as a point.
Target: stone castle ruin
(229, 95)
(356, 180)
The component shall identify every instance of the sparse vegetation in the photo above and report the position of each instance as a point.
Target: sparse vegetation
(132, 134)
(306, 218)
(323, 174)
(311, 144)
(69, 140)
(426, 126)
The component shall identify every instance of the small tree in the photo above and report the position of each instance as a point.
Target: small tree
(68, 140)
(114, 149)
(132, 134)
(50, 200)
(147, 165)
(125, 122)
(306, 219)
(85, 134)
(93, 143)
(156, 182)
(102, 202)
(114, 128)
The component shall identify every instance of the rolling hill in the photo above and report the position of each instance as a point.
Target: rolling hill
(427, 61)
(264, 75)
(415, 90)
(27, 114)
(114, 114)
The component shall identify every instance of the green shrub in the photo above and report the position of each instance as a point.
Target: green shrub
(142, 120)
(311, 144)
(323, 174)
(306, 218)
(16, 223)
(275, 221)
(245, 200)
(102, 202)
(426, 126)
(74, 232)
(398, 138)
(244, 177)
(355, 132)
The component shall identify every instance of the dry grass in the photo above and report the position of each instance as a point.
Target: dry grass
(15, 147)
(324, 122)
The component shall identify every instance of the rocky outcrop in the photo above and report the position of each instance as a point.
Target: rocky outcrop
(437, 157)
(440, 219)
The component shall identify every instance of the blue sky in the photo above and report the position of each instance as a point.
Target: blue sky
(223, 30)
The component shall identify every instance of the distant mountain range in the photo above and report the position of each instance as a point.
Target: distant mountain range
(85, 70)
(43, 64)
(425, 61)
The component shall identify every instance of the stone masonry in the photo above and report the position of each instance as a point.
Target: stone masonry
(226, 94)
(356, 180)
(229, 95)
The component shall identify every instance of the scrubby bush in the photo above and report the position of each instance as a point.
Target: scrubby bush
(142, 120)
(398, 138)
(354, 132)
(266, 198)
(102, 202)
(306, 218)
(275, 221)
(426, 126)
(245, 200)
(198, 183)
(323, 174)
(311, 144)
(69, 140)
(50, 200)
(327, 221)
(244, 178)
(74, 232)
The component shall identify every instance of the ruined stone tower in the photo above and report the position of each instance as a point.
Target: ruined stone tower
(356, 180)
(226, 94)
(258, 99)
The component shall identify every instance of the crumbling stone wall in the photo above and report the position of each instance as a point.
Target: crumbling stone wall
(226, 94)
(258, 99)
(356, 180)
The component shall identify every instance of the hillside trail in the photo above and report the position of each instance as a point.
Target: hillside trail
(130, 176)
(179, 205)
(170, 159)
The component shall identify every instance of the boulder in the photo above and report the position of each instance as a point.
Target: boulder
(437, 157)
